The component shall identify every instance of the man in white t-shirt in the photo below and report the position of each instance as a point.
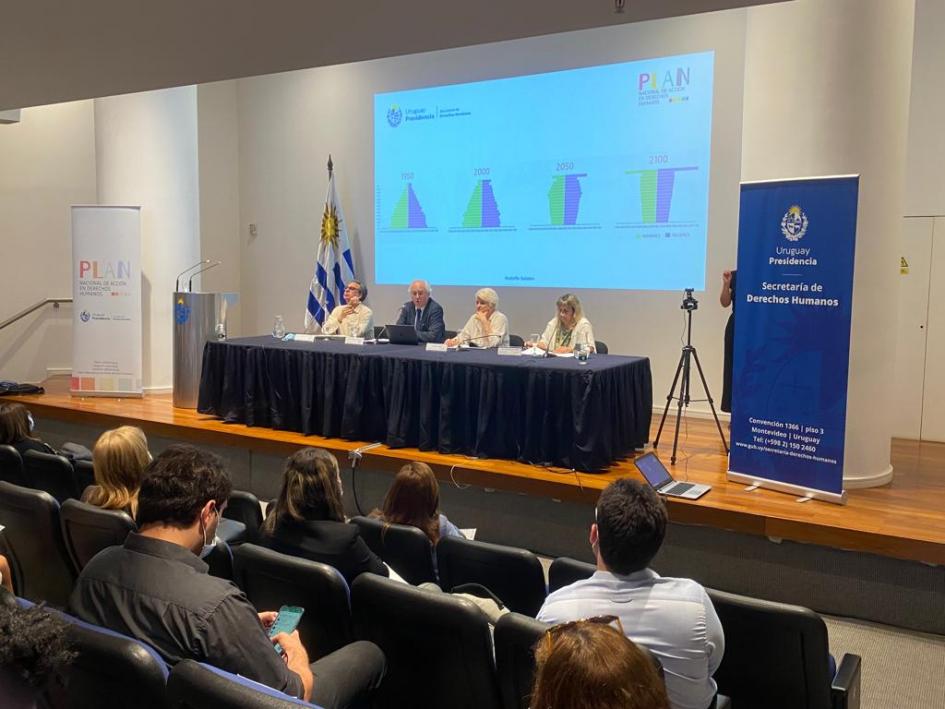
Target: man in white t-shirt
(673, 618)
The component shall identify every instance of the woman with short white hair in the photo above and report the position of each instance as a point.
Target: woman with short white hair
(487, 327)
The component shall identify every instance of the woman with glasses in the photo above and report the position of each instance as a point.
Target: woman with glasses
(353, 318)
(568, 328)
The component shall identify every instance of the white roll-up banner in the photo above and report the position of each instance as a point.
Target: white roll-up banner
(106, 292)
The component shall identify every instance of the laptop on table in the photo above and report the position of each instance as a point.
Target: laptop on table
(402, 335)
(658, 477)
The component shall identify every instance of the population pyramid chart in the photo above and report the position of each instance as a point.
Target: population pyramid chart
(501, 183)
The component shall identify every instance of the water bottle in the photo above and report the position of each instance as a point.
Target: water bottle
(278, 327)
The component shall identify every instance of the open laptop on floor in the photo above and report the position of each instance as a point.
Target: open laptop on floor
(658, 476)
(402, 334)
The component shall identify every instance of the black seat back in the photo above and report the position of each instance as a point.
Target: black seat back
(406, 549)
(272, 580)
(52, 473)
(33, 535)
(438, 646)
(11, 465)
(87, 529)
(515, 638)
(564, 571)
(193, 685)
(110, 670)
(516, 341)
(776, 655)
(514, 575)
(84, 474)
(244, 507)
(600, 347)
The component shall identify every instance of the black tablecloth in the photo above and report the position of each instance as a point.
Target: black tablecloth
(475, 402)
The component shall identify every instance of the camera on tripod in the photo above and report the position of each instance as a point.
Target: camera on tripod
(688, 302)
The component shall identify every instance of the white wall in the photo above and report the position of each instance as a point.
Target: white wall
(289, 123)
(146, 153)
(47, 164)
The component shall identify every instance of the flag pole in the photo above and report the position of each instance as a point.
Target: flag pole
(329, 165)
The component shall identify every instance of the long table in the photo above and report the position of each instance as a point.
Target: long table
(549, 411)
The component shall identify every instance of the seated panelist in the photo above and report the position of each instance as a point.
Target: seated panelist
(424, 313)
(567, 328)
(486, 327)
(354, 318)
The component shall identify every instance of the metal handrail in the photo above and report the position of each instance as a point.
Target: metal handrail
(32, 308)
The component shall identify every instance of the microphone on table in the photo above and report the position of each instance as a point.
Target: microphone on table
(396, 320)
(480, 337)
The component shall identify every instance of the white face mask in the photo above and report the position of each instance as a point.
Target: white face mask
(29, 417)
(208, 546)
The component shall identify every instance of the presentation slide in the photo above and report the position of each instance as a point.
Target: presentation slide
(588, 178)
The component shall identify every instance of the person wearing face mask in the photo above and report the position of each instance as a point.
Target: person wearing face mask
(16, 429)
(424, 313)
(156, 588)
(308, 519)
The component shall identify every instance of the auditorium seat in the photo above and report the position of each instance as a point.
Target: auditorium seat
(565, 571)
(232, 531)
(516, 341)
(33, 535)
(515, 637)
(405, 549)
(438, 646)
(87, 529)
(110, 670)
(52, 473)
(378, 329)
(512, 574)
(600, 347)
(84, 474)
(449, 334)
(11, 465)
(777, 656)
(244, 507)
(195, 685)
(272, 580)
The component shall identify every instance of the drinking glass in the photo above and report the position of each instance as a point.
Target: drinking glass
(532, 342)
(581, 351)
(278, 327)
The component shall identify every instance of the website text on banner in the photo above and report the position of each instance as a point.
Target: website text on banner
(106, 293)
(796, 242)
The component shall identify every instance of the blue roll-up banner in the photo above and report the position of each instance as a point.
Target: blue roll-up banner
(793, 301)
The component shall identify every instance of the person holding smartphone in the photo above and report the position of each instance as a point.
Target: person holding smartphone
(155, 588)
(352, 318)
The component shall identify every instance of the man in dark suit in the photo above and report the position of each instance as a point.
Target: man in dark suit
(424, 313)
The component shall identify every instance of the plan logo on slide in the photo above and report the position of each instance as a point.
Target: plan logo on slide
(794, 223)
(394, 115)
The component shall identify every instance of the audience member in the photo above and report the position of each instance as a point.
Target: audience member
(307, 519)
(34, 652)
(414, 499)
(588, 665)
(155, 588)
(6, 576)
(673, 618)
(120, 457)
(424, 313)
(16, 429)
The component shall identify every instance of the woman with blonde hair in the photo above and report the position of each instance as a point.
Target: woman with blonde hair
(119, 458)
(308, 519)
(589, 664)
(414, 499)
(568, 328)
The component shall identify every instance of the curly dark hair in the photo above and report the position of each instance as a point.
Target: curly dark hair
(178, 483)
(631, 525)
(33, 643)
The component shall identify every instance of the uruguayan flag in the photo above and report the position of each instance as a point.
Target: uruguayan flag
(334, 264)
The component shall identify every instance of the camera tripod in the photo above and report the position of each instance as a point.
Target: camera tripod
(684, 368)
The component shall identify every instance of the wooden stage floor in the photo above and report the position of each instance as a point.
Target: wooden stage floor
(905, 519)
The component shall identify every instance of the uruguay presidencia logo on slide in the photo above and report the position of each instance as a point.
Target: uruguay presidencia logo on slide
(794, 223)
(394, 115)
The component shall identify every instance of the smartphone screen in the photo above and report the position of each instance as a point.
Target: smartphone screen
(287, 621)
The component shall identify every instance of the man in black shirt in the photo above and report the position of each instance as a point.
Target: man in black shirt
(155, 588)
